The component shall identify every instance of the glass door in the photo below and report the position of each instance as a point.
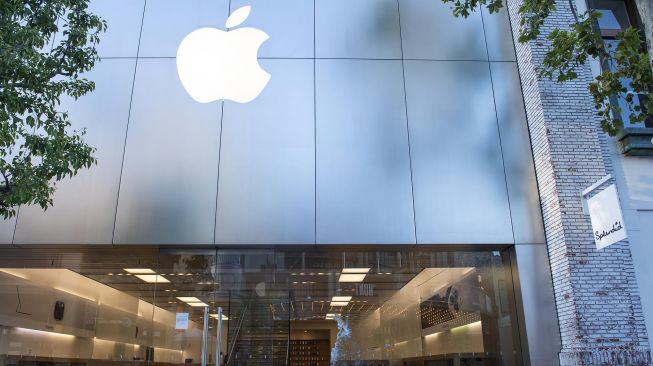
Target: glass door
(243, 286)
(188, 306)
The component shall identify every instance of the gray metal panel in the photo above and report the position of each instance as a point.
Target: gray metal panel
(539, 328)
(266, 193)
(169, 178)
(289, 23)
(123, 26)
(500, 46)
(460, 187)
(357, 29)
(517, 153)
(167, 22)
(430, 31)
(84, 206)
(363, 167)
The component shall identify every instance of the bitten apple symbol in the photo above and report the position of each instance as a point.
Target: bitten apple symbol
(214, 64)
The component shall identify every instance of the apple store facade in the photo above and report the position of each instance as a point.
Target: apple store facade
(328, 182)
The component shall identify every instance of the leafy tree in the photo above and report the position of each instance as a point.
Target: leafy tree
(45, 46)
(627, 67)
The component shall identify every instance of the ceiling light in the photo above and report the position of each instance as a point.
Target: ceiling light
(350, 277)
(197, 304)
(139, 270)
(355, 270)
(215, 316)
(153, 278)
(341, 298)
(339, 303)
(188, 299)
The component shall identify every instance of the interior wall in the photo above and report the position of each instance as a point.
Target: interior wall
(99, 322)
(28, 342)
(394, 331)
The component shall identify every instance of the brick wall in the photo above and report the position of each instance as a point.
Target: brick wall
(599, 310)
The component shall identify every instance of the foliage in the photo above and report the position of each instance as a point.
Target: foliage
(627, 69)
(45, 46)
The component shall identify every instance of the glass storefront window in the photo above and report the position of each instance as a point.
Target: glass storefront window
(294, 306)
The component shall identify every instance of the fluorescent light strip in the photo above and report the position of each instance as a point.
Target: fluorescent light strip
(43, 332)
(352, 277)
(339, 303)
(355, 270)
(466, 326)
(215, 316)
(139, 270)
(197, 304)
(153, 278)
(188, 299)
(432, 334)
(341, 298)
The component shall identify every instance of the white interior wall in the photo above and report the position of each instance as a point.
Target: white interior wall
(394, 331)
(99, 322)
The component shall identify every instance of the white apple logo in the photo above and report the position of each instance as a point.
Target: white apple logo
(214, 64)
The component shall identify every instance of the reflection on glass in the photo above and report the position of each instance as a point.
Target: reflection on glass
(283, 306)
(614, 16)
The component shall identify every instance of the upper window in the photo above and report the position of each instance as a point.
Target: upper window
(617, 15)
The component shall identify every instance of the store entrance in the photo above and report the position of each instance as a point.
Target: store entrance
(283, 306)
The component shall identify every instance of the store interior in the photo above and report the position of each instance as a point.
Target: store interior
(290, 306)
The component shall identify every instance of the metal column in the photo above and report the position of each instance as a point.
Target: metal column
(205, 335)
(218, 338)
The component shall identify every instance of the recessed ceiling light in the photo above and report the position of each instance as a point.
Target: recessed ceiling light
(197, 304)
(188, 299)
(355, 270)
(153, 278)
(139, 270)
(341, 298)
(352, 277)
(339, 303)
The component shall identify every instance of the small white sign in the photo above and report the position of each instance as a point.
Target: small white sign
(182, 321)
(607, 220)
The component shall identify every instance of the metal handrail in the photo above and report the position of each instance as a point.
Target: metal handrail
(235, 338)
(288, 343)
